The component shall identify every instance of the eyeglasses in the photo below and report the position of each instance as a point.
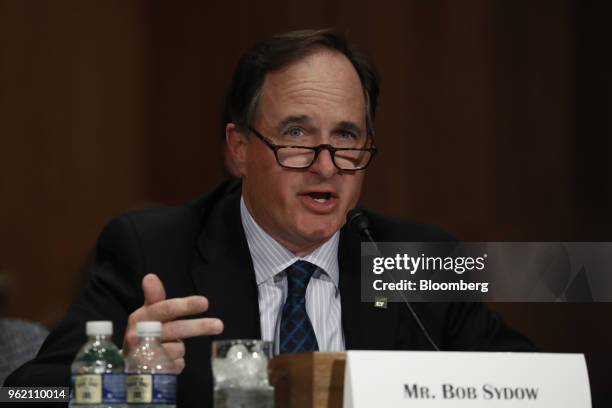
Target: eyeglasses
(302, 157)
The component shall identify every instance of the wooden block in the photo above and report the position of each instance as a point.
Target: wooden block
(306, 380)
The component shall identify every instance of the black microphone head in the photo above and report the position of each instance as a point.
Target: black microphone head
(356, 219)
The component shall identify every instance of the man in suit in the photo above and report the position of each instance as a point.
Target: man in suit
(268, 256)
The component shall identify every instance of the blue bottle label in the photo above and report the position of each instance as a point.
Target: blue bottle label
(164, 388)
(113, 388)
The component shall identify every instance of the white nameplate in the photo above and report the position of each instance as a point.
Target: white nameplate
(465, 379)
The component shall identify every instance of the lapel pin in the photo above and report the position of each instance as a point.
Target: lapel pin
(380, 302)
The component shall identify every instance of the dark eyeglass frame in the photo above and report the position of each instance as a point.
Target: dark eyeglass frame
(317, 149)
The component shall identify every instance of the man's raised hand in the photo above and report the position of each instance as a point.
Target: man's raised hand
(157, 307)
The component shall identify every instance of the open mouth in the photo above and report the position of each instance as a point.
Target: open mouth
(320, 197)
(322, 201)
(319, 202)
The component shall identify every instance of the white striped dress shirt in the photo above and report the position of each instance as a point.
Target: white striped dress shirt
(270, 259)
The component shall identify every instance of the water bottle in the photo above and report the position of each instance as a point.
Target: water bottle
(98, 379)
(150, 373)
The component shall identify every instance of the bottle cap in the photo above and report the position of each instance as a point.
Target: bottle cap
(150, 328)
(99, 327)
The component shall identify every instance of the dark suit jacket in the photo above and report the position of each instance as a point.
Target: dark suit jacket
(201, 249)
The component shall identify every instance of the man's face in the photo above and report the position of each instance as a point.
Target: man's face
(317, 100)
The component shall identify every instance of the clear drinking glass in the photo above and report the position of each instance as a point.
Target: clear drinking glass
(240, 371)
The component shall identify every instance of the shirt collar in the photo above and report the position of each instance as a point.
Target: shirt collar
(271, 258)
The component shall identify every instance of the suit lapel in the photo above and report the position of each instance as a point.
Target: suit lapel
(365, 327)
(225, 274)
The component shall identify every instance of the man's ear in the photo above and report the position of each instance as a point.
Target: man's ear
(237, 146)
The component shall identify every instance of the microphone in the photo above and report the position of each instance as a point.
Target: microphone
(357, 220)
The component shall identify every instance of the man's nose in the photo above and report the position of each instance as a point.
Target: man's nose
(324, 165)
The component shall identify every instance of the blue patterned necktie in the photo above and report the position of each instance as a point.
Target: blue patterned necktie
(296, 332)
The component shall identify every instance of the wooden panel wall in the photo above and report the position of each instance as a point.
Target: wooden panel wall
(74, 119)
